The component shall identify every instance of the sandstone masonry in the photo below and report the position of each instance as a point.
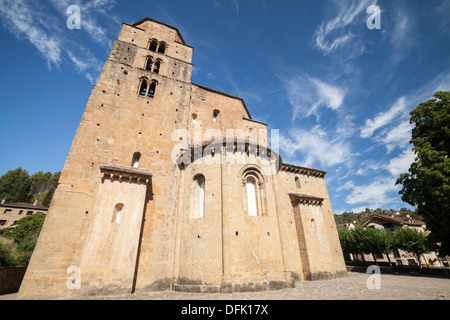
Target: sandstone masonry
(143, 206)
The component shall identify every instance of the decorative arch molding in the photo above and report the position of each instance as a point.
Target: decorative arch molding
(254, 204)
(195, 152)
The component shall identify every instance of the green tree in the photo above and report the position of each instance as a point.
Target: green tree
(427, 185)
(5, 255)
(26, 231)
(41, 182)
(411, 240)
(347, 241)
(48, 197)
(14, 185)
(378, 241)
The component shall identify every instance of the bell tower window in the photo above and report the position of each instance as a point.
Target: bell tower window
(157, 66)
(143, 87)
(162, 48)
(153, 45)
(147, 88)
(149, 64)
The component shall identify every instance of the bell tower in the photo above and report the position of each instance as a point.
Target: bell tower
(115, 194)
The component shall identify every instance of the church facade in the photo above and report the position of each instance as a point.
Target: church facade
(170, 185)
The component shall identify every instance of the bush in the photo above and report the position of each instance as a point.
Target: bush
(6, 258)
(26, 232)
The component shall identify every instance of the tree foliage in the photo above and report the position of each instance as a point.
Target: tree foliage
(26, 232)
(411, 240)
(427, 184)
(18, 186)
(14, 185)
(379, 241)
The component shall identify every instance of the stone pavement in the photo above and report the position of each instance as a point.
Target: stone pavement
(353, 287)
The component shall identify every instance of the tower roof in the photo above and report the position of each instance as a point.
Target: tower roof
(161, 23)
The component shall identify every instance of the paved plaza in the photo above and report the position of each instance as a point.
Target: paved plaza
(353, 287)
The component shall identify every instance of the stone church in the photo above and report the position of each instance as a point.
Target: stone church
(170, 185)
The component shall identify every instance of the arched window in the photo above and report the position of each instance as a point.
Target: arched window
(117, 213)
(153, 45)
(254, 191)
(251, 196)
(198, 196)
(151, 90)
(162, 48)
(147, 88)
(216, 114)
(157, 66)
(149, 64)
(135, 161)
(297, 182)
(143, 87)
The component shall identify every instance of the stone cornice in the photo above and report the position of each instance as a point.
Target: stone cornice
(124, 174)
(300, 198)
(302, 170)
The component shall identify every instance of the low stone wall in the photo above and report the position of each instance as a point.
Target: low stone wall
(413, 271)
(10, 279)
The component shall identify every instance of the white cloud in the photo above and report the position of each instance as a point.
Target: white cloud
(306, 94)
(24, 21)
(402, 34)
(335, 33)
(315, 149)
(402, 163)
(333, 96)
(398, 136)
(48, 32)
(384, 118)
(373, 194)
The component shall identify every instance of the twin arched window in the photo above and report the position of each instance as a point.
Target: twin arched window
(147, 88)
(156, 46)
(152, 66)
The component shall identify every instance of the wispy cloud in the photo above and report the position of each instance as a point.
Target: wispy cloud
(384, 118)
(307, 94)
(24, 21)
(401, 163)
(374, 194)
(395, 136)
(402, 34)
(48, 33)
(335, 33)
(315, 147)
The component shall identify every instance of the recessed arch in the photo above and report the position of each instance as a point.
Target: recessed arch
(198, 196)
(117, 213)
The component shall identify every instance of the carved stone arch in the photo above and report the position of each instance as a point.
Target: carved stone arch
(248, 174)
(255, 169)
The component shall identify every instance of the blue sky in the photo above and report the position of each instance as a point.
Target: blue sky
(338, 92)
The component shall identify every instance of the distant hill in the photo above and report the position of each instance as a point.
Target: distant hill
(358, 218)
